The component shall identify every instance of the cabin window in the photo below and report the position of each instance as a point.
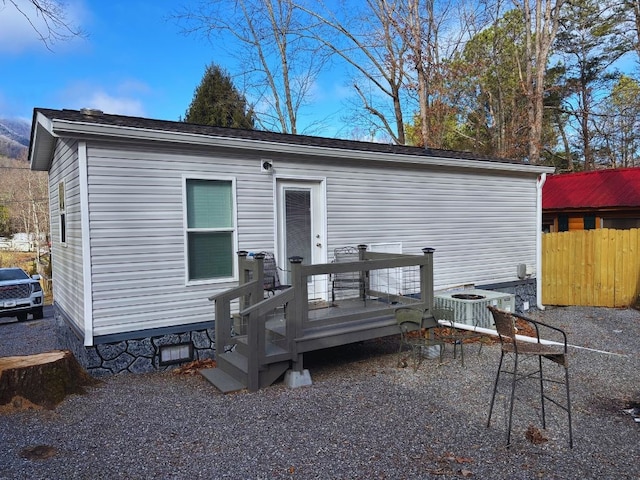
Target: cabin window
(589, 222)
(62, 213)
(211, 229)
(563, 223)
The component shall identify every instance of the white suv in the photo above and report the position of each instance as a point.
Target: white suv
(20, 294)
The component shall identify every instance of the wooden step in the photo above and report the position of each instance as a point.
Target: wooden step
(271, 349)
(222, 381)
(235, 364)
(325, 336)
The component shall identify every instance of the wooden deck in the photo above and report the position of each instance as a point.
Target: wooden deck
(268, 336)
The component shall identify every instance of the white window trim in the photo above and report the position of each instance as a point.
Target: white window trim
(186, 230)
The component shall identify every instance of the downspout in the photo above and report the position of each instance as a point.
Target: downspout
(539, 184)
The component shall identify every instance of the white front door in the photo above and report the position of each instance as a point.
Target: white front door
(301, 227)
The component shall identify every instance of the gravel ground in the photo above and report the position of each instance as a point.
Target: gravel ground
(362, 418)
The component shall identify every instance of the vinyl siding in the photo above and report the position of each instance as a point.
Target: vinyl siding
(137, 233)
(481, 223)
(68, 277)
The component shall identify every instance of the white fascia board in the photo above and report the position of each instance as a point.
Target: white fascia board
(43, 143)
(66, 127)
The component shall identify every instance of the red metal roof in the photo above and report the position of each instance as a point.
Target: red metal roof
(619, 187)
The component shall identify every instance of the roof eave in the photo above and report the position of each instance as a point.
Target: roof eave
(43, 142)
(76, 129)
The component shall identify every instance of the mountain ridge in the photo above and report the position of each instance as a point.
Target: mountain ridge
(14, 136)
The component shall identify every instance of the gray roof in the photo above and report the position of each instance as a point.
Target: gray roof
(88, 116)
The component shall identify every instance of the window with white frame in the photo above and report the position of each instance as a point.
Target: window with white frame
(210, 229)
(62, 213)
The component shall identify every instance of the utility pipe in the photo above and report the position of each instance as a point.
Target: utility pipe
(539, 184)
(523, 338)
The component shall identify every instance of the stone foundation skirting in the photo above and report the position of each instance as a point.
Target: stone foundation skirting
(524, 290)
(136, 355)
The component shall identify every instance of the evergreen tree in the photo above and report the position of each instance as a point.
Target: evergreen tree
(217, 102)
(591, 39)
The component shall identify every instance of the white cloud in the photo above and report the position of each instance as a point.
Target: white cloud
(124, 98)
(21, 26)
(116, 105)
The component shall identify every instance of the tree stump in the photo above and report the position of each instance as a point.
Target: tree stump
(44, 379)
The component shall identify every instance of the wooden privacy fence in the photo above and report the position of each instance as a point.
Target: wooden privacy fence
(591, 267)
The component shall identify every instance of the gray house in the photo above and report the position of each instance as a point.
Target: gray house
(147, 217)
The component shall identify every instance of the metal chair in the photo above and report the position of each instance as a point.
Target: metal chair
(510, 344)
(455, 336)
(416, 332)
(271, 282)
(352, 283)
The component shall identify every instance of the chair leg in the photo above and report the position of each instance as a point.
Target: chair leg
(417, 357)
(495, 388)
(566, 382)
(544, 418)
(513, 394)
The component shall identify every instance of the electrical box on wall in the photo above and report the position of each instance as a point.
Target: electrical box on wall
(522, 271)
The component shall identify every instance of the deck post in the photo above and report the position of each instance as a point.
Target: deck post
(364, 285)
(297, 376)
(295, 315)
(222, 325)
(426, 279)
(258, 274)
(243, 271)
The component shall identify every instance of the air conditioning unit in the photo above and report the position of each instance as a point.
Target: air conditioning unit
(470, 306)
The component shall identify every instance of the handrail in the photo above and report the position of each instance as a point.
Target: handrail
(235, 292)
(223, 312)
(255, 308)
(271, 303)
(356, 266)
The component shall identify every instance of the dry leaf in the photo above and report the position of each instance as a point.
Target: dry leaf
(534, 435)
(464, 460)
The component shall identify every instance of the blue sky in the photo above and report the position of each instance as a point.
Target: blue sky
(133, 61)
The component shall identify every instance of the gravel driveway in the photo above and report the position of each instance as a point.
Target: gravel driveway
(363, 418)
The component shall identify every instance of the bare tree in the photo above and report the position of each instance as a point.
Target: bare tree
(25, 194)
(369, 43)
(541, 18)
(395, 46)
(279, 64)
(435, 30)
(48, 18)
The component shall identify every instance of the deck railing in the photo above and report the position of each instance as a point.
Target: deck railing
(298, 313)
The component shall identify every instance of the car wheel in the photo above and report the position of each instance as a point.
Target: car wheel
(22, 317)
(38, 313)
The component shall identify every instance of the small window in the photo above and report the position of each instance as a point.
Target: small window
(211, 229)
(589, 222)
(563, 223)
(62, 213)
